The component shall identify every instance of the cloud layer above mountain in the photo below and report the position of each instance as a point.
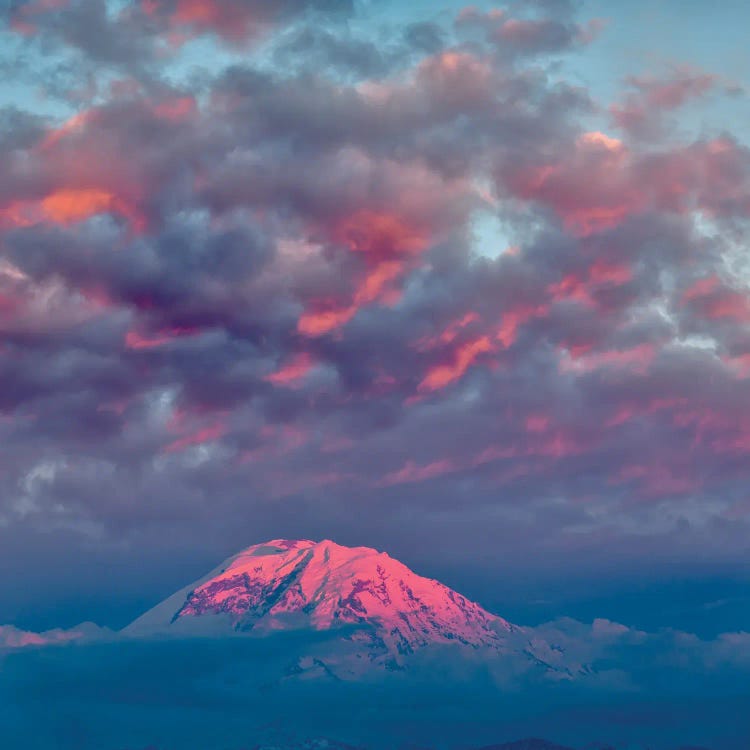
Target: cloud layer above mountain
(279, 268)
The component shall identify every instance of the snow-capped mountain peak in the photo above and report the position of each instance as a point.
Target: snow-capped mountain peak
(288, 584)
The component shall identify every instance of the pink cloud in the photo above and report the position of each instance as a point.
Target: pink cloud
(376, 286)
(449, 333)
(23, 19)
(602, 182)
(636, 359)
(68, 205)
(12, 637)
(537, 423)
(657, 481)
(137, 340)
(715, 300)
(581, 285)
(512, 320)
(175, 109)
(640, 111)
(205, 435)
(465, 355)
(542, 441)
(293, 371)
(411, 472)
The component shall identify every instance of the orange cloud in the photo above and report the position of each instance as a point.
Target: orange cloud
(380, 234)
(292, 372)
(513, 319)
(318, 323)
(388, 242)
(73, 125)
(15, 214)
(376, 281)
(450, 333)
(374, 287)
(442, 375)
(579, 286)
(68, 206)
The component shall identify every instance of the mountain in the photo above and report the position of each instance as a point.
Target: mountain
(336, 612)
(293, 639)
(296, 585)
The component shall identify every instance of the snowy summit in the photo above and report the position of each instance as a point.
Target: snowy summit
(289, 584)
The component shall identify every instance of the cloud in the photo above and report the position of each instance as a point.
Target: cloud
(517, 37)
(112, 36)
(642, 112)
(572, 681)
(12, 638)
(237, 289)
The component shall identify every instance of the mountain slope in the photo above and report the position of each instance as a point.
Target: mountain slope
(300, 584)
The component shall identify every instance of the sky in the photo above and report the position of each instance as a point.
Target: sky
(468, 284)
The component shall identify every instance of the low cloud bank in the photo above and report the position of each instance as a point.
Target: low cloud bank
(601, 682)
